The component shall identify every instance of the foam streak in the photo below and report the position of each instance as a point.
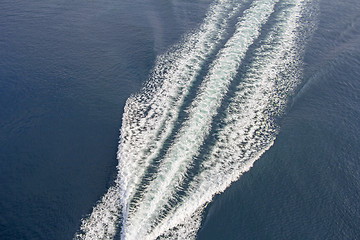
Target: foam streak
(194, 130)
(248, 125)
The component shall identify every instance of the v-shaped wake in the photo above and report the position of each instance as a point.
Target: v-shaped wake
(165, 177)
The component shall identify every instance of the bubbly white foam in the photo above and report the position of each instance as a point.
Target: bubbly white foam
(104, 219)
(191, 135)
(144, 135)
(249, 123)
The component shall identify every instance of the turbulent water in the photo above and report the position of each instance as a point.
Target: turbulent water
(209, 110)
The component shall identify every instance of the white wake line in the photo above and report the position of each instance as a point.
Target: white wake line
(102, 222)
(225, 164)
(143, 144)
(192, 134)
(183, 64)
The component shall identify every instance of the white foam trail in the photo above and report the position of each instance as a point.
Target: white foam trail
(142, 136)
(191, 135)
(249, 125)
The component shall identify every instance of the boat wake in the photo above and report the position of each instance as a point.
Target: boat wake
(209, 110)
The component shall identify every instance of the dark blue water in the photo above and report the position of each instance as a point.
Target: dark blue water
(66, 70)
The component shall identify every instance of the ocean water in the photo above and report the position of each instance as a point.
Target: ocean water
(180, 119)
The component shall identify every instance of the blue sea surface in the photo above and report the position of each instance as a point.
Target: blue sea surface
(66, 71)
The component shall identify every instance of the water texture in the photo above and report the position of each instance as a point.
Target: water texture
(238, 119)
